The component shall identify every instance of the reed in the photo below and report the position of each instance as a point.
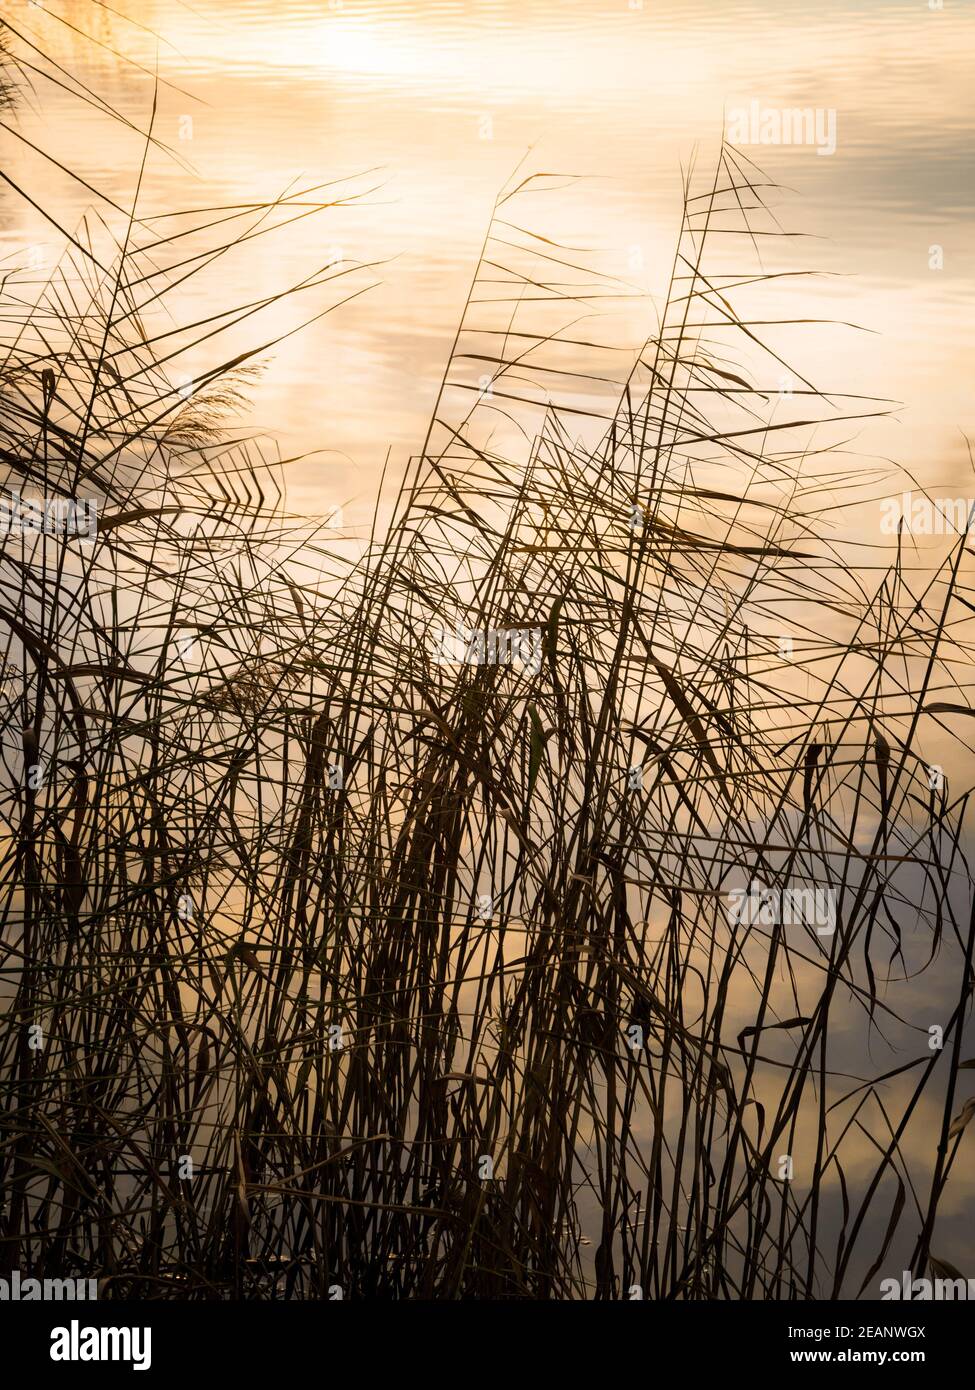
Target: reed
(337, 963)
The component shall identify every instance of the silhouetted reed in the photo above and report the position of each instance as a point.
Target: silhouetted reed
(427, 965)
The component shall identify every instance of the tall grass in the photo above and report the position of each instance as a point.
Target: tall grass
(438, 996)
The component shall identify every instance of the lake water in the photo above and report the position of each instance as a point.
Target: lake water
(416, 115)
(427, 109)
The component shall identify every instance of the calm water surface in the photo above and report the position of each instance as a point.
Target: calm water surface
(427, 108)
